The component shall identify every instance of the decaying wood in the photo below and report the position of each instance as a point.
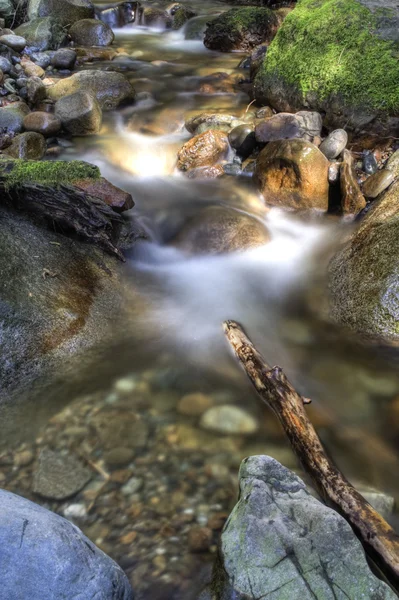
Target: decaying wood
(379, 539)
(68, 208)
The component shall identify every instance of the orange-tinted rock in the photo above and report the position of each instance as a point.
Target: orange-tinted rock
(293, 174)
(352, 199)
(106, 191)
(203, 150)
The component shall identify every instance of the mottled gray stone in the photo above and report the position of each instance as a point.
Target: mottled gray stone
(44, 556)
(59, 476)
(334, 144)
(280, 543)
(109, 87)
(42, 34)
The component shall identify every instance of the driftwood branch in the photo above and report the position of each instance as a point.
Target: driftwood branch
(379, 539)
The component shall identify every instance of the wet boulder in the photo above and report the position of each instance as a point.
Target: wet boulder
(12, 116)
(42, 122)
(67, 11)
(338, 58)
(91, 32)
(79, 113)
(203, 150)
(364, 274)
(293, 174)
(42, 551)
(41, 34)
(109, 87)
(180, 15)
(241, 29)
(280, 542)
(28, 145)
(156, 17)
(65, 58)
(217, 230)
(120, 15)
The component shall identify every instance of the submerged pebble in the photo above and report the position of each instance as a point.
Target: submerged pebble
(229, 419)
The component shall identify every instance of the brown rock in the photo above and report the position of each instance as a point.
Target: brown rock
(203, 150)
(293, 174)
(28, 145)
(31, 69)
(193, 405)
(352, 199)
(119, 457)
(42, 122)
(377, 183)
(115, 428)
(110, 194)
(200, 539)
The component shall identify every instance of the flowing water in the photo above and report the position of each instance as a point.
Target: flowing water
(183, 476)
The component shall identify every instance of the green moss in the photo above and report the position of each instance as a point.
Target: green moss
(48, 172)
(244, 19)
(329, 48)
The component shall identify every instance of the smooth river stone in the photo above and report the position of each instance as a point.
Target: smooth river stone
(16, 42)
(334, 144)
(59, 476)
(42, 122)
(377, 183)
(229, 419)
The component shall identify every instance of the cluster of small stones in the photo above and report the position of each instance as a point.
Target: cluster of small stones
(147, 473)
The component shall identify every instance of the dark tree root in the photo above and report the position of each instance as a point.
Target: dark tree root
(68, 208)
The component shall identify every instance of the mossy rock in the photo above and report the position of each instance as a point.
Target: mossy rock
(67, 11)
(340, 57)
(364, 275)
(43, 34)
(52, 173)
(241, 29)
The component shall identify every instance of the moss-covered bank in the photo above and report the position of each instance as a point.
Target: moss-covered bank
(328, 55)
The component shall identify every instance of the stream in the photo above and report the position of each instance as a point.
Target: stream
(182, 478)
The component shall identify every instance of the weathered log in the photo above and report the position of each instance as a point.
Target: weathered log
(68, 208)
(379, 539)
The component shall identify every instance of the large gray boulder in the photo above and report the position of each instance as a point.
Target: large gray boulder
(45, 557)
(280, 543)
(364, 274)
(67, 11)
(79, 113)
(339, 58)
(42, 34)
(109, 87)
